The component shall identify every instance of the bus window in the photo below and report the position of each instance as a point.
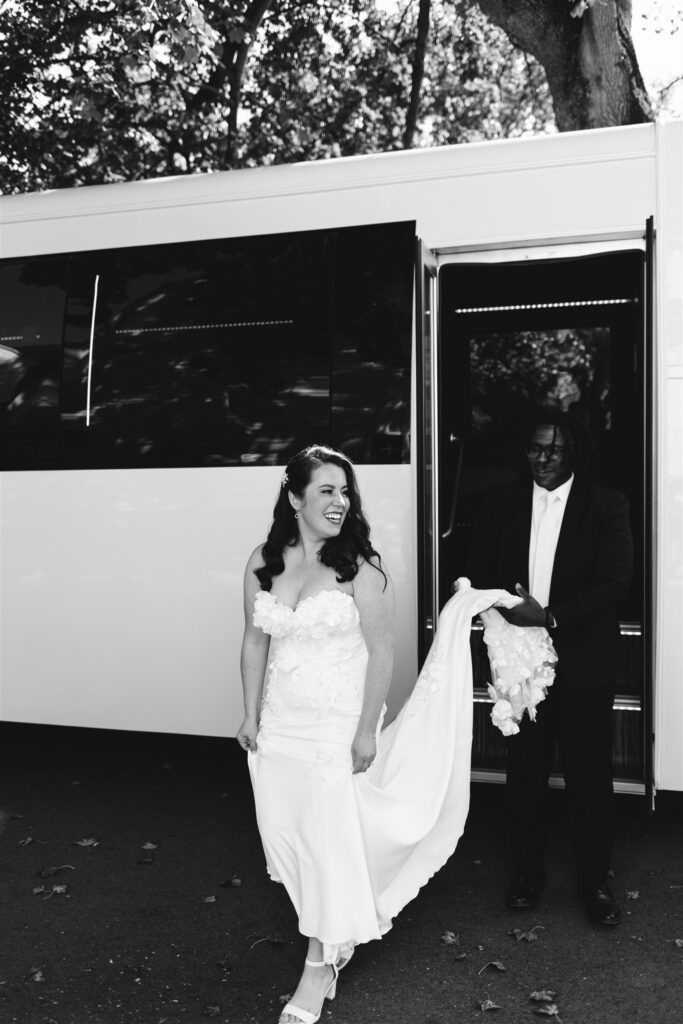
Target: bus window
(372, 337)
(206, 353)
(31, 319)
(241, 351)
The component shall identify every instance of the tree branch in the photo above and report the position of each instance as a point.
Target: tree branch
(418, 73)
(223, 71)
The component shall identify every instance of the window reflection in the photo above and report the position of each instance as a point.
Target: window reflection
(242, 351)
(566, 367)
(31, 317)
(372, 317)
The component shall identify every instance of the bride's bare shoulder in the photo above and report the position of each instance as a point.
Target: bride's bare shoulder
(255, 560)
(373, 577)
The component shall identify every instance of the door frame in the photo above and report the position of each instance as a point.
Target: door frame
(428, 265)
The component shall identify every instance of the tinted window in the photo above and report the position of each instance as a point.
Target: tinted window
(31, 320)
(241, 351)
(372, 335)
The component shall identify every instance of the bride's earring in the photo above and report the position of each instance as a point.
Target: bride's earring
(296, 515)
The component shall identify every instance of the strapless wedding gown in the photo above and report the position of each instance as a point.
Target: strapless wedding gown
(352, 850)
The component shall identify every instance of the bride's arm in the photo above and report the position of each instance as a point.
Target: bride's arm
(253, 659)
(374, 597)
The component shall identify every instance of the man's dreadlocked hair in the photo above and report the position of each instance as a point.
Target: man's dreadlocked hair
(579, 445)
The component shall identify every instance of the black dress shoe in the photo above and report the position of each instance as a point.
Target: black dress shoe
(523, 893)
(602, 907)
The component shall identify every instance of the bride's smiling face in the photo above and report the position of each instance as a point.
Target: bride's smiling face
(325, 502)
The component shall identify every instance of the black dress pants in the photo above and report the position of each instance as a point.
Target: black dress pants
(580, 722)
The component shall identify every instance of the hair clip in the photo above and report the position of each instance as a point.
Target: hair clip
(285, 479)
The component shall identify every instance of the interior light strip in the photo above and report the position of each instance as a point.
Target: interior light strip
(12, 337)
(203, 327)
(545, 305)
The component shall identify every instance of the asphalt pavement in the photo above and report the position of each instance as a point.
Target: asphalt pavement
(133, 891)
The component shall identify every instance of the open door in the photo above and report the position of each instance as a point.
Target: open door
(565, 326)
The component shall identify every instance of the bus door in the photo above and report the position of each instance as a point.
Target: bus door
(562, 326)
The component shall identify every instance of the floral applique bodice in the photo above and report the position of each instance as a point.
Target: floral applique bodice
(317, 658)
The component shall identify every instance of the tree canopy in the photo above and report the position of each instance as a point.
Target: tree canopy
(109, 90)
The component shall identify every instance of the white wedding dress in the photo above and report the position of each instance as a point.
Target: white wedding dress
(352, 850)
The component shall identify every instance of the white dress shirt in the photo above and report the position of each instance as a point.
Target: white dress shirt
(546, 521)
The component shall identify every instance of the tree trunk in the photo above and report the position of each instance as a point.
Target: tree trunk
(587, 53)
(418, 73)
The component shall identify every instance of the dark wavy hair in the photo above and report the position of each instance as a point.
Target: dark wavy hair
(342, 553)
(581, 452)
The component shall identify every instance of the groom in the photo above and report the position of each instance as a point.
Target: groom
(566, 545)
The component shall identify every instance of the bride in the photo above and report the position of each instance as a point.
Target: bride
(353, 820)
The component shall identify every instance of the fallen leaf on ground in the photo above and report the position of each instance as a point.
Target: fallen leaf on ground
(632, 894)
(209, 899)
(29, 840)
(460, 956)
(283, 999)
(450, 939)
(548, 1010)
(89, 844)
(544, 995)
(495, 964)
(38, 889)
(57, 890)
(212, 1011)
(529, 936)
(488, 1004)
(678, 943)
(149, 846)
(49, 872)
(36, 974)
(276, 939)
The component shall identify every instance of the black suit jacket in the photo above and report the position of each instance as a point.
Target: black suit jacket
(591, 572)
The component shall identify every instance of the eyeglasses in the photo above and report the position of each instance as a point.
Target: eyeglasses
(551, 451)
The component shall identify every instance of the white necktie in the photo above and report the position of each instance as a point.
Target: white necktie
(545, 551)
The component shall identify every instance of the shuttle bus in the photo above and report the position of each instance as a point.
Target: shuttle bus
(167, 345)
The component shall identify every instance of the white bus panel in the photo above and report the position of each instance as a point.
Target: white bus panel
(120, 583)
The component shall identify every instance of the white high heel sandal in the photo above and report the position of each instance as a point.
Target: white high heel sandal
(304, 1015)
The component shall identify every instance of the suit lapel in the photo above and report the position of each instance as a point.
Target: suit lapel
(521, 534)
(571, 524)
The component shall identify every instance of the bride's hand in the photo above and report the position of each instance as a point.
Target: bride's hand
(363, 751)
(247, 733)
